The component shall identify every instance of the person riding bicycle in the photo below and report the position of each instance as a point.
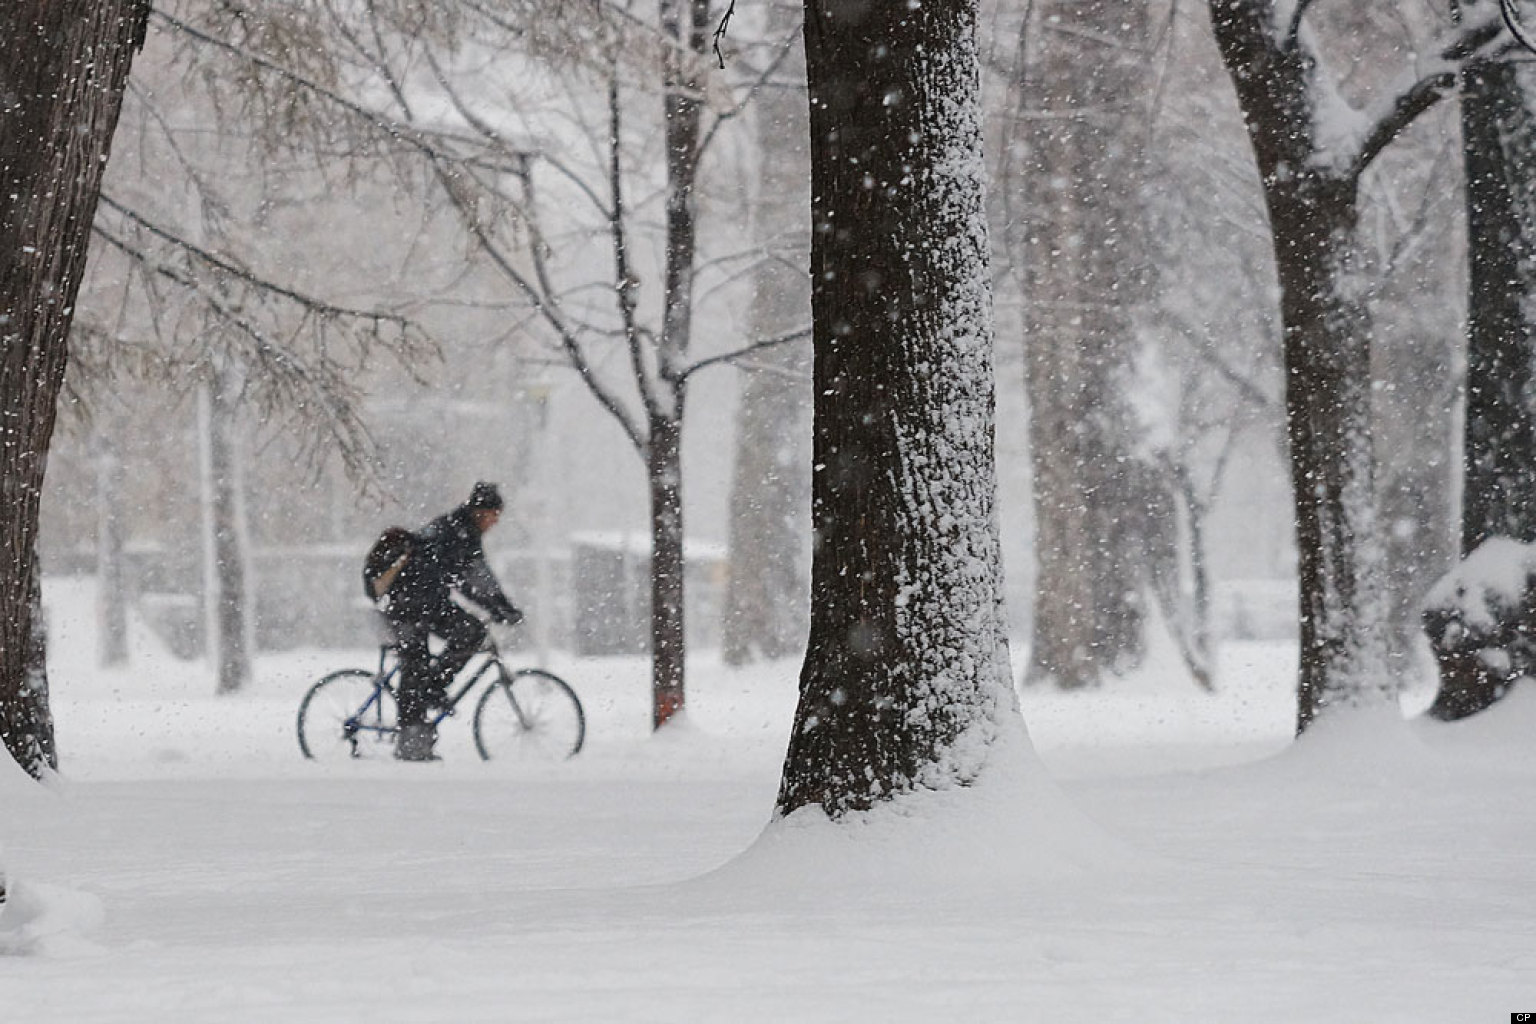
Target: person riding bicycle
(446, 557)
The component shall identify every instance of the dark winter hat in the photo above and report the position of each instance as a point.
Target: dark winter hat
(484, 495)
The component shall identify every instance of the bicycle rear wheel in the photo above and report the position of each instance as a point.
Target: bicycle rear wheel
(347, 715)
(530, 715)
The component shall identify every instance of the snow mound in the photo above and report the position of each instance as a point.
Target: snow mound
(1502, 732)
(48, 920)
(1365, 751)
(1011, 833)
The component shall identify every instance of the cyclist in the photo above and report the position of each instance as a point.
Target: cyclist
(446, 558)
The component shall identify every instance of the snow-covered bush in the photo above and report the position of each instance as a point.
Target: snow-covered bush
(1481, 621)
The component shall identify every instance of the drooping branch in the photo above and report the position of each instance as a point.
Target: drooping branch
(430, 143)
(1517, 28)
(324, 392)
(781, 54)
(309, 303)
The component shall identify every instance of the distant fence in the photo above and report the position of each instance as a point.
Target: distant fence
(592, 598)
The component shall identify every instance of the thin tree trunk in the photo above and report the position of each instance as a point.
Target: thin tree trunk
(111, 577)
(664, 469)
(1200, 586)
(766, 592)
(62, 81)
(685, 22)
(226, 567)
(906, 680)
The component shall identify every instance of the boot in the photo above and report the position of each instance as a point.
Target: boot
(415, 743)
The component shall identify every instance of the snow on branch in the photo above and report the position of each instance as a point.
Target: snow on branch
(1288, 13)
(1479, 37)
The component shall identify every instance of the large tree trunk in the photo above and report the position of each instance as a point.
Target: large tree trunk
(1327, 350)
(906, 679)
(1084, 81)
(62, 83)
(1312, 206)
(765, 597)
(1498, 118)
(1498, 123)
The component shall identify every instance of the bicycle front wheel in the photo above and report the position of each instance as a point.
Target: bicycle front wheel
(530, 715)
(347, 715)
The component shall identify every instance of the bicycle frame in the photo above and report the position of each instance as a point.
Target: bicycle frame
(491, 662)
(386, 674)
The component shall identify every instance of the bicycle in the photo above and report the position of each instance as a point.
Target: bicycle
(527, 712)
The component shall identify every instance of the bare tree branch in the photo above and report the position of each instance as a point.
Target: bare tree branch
(309, 303)
(1516, 26)
(1293, 25)
(626, 284)
(1473, 40)
(799, 334)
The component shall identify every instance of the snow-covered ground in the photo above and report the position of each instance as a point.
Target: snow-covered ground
(1194, 866)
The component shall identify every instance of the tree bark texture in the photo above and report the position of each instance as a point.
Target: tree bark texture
(1327, 347)
(1085, 78)
(44, 746)
(767, 590)
(906, 674)
(61, 88)
(664, 472)
(1498, 123)
(1498, 118)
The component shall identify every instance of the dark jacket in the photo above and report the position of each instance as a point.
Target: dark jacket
(448, 556)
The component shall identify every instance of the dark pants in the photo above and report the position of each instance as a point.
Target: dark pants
(423, 678)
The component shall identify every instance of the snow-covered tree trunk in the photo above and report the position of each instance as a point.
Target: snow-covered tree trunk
(686, 24)
(664, 467)
(906, 679)
(62, 85)
(42, 748)
(1084, 86)
(1327, 352)
(1498, 122)
(765, 596)
(1498, 118)
(1312, 198)
(226, 565)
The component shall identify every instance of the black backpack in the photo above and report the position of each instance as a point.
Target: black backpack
(385, 560)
